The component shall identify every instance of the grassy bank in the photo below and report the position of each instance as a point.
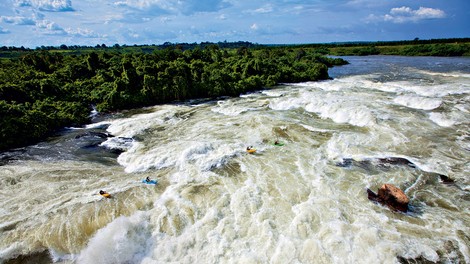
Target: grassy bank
(433, 47)
(444, 49)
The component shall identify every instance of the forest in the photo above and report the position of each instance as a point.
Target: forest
(45, 90)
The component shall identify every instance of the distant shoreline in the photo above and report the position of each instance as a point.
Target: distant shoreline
(446, 47)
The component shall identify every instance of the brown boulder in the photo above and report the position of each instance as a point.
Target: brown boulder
(391, 196)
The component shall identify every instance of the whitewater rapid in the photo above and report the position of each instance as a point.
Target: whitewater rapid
(296, 203)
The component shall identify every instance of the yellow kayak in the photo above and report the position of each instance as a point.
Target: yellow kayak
(105, 194)
(251, 150)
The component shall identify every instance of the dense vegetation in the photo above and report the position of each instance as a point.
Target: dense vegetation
(44, 90)
(416, 47)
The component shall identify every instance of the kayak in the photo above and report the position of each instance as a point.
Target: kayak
(107, 195)
(279, 144)
(251, 151)
(149, 182)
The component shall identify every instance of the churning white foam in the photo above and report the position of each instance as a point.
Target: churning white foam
(14, 249)
(125, 240)
(229, 108)
(181, 154)
(119, 143)
(129, 127)
(418, 102)
(431, 90)
(342, 112)
(274, 93)
(443, 120)
(453, 74)
(337, 107)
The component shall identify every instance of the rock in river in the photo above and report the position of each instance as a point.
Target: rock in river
(391, 196)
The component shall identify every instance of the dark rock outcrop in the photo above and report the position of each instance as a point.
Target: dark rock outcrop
(8, 156)
(446, 179)
(376, 162)
(372, 196)
(397, 161)
(94, 134)
(376, 165)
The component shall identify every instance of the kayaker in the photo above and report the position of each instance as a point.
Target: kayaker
(105, 194)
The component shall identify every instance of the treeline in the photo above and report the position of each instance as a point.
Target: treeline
(42, 91)
(416, 47)
(432, 47)
(221, 44)
(442, 50)
(15, 52)
(415, 41)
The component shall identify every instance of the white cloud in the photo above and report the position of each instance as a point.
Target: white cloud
(425, 12)
(49, 26)
(406, 14)
(181, 6)
(109, 18)
(4, 31)
(47, 5)
(165, 19)
(363, 3)
(265, 9)
(143, 4)
(81, 32)
(20, 3)
(17, 20)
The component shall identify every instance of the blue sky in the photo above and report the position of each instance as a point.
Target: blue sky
(32, 23)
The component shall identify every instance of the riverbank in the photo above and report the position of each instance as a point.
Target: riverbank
(439, 50)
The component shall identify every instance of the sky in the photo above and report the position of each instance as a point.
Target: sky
(35, 23)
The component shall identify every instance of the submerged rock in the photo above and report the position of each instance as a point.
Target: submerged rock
(94, 134)
(449, 252)
(346, 162)
(396, 161)
(420, 260)
(8, 156)
(446, 179)
(37, 257)
(376, 162)
(372, 195)
(391, 196)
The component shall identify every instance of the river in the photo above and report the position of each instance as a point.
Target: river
(303, 202)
